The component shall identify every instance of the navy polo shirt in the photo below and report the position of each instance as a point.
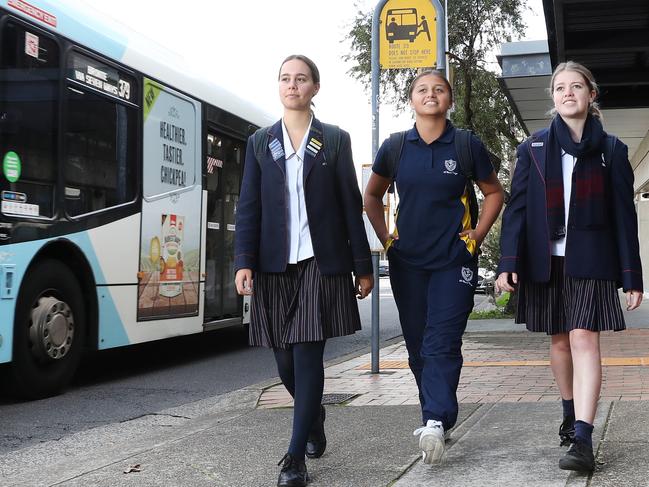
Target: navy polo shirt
(433, 207)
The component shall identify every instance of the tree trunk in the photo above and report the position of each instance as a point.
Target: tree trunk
(468, 91)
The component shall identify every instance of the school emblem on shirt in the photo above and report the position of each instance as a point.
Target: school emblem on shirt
(450, 165)
(276, 149)
(313, 147)
(467, 275)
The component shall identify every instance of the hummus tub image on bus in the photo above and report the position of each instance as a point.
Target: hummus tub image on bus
(171, 259)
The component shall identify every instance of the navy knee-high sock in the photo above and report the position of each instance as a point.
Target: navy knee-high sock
(309, 383)
(284, 360)
(568, 408)
(584, 433)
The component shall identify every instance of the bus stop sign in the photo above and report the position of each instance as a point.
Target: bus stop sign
(408, 34)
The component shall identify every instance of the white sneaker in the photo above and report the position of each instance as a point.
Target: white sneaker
(431, 442)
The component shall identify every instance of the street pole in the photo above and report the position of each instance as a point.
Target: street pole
(441, 36)
(446, 59)
(376, 76)
(375, 313)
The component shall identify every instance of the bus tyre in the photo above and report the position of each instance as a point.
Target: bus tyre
(49, 331)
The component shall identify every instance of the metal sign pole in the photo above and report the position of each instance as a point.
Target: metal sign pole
(441, 36)
(375, 314)
(376, 75)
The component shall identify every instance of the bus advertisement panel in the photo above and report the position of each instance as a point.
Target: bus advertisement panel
(171, 210)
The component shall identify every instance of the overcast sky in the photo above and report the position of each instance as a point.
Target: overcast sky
(240, 44)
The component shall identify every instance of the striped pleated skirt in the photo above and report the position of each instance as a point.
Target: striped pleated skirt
(301, 305)
(566, 303)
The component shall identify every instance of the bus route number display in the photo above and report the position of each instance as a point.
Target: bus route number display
(101, 77)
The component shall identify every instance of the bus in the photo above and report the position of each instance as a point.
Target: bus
(119, 186)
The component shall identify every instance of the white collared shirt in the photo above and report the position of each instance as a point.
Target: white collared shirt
(568, 163)
(299, 237)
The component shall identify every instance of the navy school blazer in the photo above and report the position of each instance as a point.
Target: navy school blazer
(610, 252)
(333, 204)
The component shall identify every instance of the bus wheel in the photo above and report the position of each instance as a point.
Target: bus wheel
(49, 331)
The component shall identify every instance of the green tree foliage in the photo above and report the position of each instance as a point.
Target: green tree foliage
(477, 28)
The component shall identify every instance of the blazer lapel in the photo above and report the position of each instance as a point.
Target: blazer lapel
(538, 149)
(314, 148)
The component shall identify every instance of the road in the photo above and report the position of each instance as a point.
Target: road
(122, 384)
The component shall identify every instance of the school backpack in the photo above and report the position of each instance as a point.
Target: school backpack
(465, 163)
(330, 134)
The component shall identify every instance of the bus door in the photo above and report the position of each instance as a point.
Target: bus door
(224, 169)
(170, 264)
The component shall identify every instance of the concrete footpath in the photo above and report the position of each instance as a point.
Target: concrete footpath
(506, 435)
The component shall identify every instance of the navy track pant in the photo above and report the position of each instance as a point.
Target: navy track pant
(433, 309)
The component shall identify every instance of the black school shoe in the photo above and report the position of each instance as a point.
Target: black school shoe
(317, 442)
(293, 472)
(567, 431)
(579, 457)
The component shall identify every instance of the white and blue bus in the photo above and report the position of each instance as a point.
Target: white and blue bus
(119, 185)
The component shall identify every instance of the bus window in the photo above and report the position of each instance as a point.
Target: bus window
(29, 86)
(100, 137)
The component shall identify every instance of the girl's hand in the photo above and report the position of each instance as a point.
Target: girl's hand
(633, 299)
(502, 283)
(388, 237)
(363, 285)
(243, 281)
(473, 235)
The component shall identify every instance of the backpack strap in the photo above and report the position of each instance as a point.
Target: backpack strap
(609, 148)
(395, 146)
(464, 153)
(331, 136)
(465, 163)
(393, 154)
(260, 142)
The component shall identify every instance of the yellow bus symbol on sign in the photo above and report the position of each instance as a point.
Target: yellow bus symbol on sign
(408, 34)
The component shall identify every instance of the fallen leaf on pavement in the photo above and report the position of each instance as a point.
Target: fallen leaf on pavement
(133, 468)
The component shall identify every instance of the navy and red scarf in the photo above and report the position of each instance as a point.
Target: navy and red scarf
(588, 206)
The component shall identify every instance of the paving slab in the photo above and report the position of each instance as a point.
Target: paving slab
(623, 455)
(369, 446)
(506, 445)
(57, 461)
